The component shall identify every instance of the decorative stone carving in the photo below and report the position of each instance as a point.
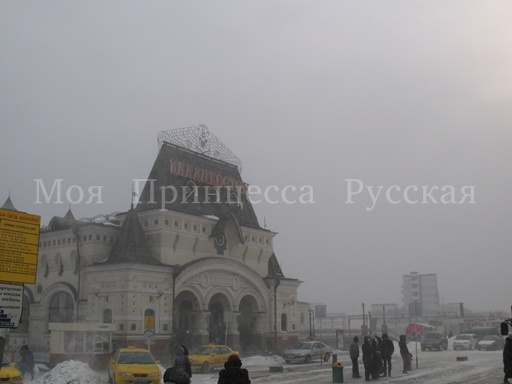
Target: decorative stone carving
(205, 280)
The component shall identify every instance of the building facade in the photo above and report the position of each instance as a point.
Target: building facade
(421, 289)
(187, 263)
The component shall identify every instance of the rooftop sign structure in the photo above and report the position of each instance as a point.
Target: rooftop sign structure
(199, 139)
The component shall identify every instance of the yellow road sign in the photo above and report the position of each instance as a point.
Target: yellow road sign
(19, 246)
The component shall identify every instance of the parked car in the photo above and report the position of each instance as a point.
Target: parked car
(133, 365)
(481, 332)
(9, 372)
(465, 341)
(490, 343)
(307, 351)
(434, 340)
(209, 356)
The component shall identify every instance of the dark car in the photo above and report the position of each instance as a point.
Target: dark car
(434, 340)
(490, 343)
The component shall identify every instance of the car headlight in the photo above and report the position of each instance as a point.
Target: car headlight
(17, 378)
(125, 374)
(154, 374)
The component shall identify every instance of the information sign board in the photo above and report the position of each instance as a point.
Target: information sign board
(11, 305)
(19, 246)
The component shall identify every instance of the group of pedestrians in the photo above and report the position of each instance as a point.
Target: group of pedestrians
(377, 352)
(181, 371)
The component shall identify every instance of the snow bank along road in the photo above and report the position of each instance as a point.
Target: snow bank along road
(436, 367)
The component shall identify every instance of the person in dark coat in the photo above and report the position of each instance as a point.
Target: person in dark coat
(404, 352)
(354, 356)
(27, 361)
(181, 365)
(507, 358)
(233, 373)
(376, 363)
(367, 357)
(386, 351)
(182, 362)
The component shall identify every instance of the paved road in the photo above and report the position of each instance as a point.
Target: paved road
(432, 367)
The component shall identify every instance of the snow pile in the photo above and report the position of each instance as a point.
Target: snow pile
(262, 360)
(70, 372)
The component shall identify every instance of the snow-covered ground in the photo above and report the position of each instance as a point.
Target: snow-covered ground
(439, 367)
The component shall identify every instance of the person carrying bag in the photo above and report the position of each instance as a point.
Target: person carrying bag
(180, 372)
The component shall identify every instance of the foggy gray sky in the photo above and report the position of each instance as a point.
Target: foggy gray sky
(304, 93)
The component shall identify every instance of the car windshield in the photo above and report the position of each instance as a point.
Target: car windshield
(203, 351)
(433, 336)
(463, 337)
(5, 362)
(303, 346)
(136, 358)
(489, 337)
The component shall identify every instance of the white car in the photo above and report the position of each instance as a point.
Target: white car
(465, 341)
(307, 351)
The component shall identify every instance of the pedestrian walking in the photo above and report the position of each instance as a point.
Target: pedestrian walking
(367, 357)
(404, 352)
(181, 371)
(27, 361)
(507, 358)
(354, 356)
(233, 373)
(387, 350)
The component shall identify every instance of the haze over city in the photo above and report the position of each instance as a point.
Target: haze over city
(395, 115)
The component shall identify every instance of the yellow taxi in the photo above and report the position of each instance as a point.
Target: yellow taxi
(9, 373)
(133, 366)
(209, 356)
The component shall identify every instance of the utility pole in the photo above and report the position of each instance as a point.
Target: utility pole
(416, 332)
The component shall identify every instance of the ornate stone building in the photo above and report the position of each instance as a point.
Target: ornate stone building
(187, 263)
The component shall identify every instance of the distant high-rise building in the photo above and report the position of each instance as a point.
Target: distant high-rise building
(421, 289)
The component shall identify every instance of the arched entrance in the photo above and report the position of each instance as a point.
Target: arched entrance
(247, 327)
(219, 309)
(227, 298)
(186, 305)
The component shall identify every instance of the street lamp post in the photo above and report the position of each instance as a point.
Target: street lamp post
(370, 321)
(310, 323)
(363, 314)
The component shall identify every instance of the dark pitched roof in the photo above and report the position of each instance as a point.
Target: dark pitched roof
(66, 222)
(131, 245)
(274, 269)
(198, 170)
(8, 204)
(69, 215)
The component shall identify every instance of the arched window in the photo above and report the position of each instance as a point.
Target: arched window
(106, 316)
(59, 264)
(75, 262)
(284, 322)
(61, 308)
(44, 266)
